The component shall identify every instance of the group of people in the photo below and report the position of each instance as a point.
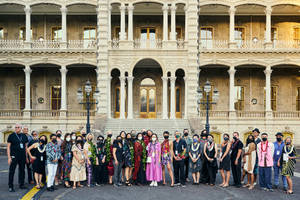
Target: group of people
(140, 159)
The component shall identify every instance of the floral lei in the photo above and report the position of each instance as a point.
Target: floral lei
(107, 149)
(93, 150)
(144, 153)
(131, 149)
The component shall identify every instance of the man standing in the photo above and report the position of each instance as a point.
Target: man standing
(28, 164)
(188, 142)
(236, 159)
(16, 153)
(204, 171)
(179, 149)
(265, 152)
(257, 140)
(278, 146)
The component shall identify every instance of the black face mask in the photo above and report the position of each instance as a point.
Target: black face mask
(226, 138)
(278, 139)
(186, 134)
(43, 141)
(129, 139)
(79, 142)
(166, 137)
(249, 141)
(264, 139)
(109, 135)
(100, 141)
(235, 138)
(58, 135)
(54, 141)
(288, 143)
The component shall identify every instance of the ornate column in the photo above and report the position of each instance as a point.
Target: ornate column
(122, 22)
(130, 98)
(231, 73)
(122, 100)
(268, 73)
(109, 97)
(232, 43)
(165, 98)
(27, 71)
(130, 8)
(172, 106)
(28, 11)
(185, 97)
(165, 9)
(63, 72)
(64, 10)
(185, 24)
(268, 42)
(173, 22)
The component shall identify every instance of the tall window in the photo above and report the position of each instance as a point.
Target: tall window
(55, 97)
(92, 100)
(239, 98)
(89, 33)
(117, 31)
(298, 99)
(56, 33)
(22, 33)
(22, 97)
(297, 35)
(1, 33)
(179, 32)
(239, 36)
(274, 36)
(273, 98)
(206, 37)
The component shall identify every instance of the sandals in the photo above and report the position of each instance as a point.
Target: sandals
(38, 186)
(225, 186)
(127, 183)
(251, 187)
(246, 185)
(289, 192)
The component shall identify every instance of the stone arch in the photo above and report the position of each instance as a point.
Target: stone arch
(212, 2)
(17, 62)
(46, 132)
(282, 2)
(87, 2)
(41, 62)
(251, 62)
(18, 2)
(134, 63)
(53, 2)
(148, 1)
(254, 2)
(284, 63)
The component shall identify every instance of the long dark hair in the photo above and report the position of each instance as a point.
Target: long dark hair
(63, 145)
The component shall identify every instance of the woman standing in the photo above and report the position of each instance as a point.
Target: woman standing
(37, 153)
(109, 158)
(225, 161)
(210, 153)
(250, 157)
(78, 170)
(195, 161)
(126, 157)
(153, 169)
(118, 159)
(167, 158)
(66, 149)
(140, 156)
(130, 143)
(101, 166)
(288, 160)
(90, 153)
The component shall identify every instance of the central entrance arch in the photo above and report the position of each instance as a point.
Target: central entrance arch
(147, 89)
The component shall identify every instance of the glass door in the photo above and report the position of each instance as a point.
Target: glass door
(147, 102)
(148, 37)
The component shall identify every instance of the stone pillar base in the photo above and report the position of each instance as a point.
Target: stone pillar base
(268, 45)
(269, 114)
(63, 45)
(125, 44)
(232, 45)
(26, 114)
(27, 45)
(63, 114)
(232, 115)
(170, 44)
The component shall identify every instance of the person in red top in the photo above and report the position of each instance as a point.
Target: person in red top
(147, 137)
(140, 155)
(167, 158)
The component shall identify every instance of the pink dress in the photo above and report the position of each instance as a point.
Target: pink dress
(153, 169)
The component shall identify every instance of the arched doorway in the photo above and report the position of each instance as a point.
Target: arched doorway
(46, 133)
(217, 136)
(147, 98)
(288, 134)
(246, 136)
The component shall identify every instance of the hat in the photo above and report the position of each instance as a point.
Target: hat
(256, 130)
(279, 133)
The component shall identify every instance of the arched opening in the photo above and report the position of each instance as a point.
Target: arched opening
(245, 136)
(217, 136)
(147, 89)
(5, 135)
(288, 134)
(115, 92)
(46, 133)
(179, 93)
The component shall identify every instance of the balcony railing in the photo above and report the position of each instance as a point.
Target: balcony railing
(147, 44)
(278, 114)
(10, 113)
(11, 44)
(45, 44)
(250, 114)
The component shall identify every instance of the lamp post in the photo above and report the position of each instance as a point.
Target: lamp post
(80, 96)
(207, 102)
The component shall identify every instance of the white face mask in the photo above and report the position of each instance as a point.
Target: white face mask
(73, 137)
(140, 138)
(153, 139)
(68, 139)
(62, 137)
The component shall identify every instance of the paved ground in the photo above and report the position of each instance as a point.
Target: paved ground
(147, 193)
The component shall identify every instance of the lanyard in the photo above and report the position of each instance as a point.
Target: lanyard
(19, 138)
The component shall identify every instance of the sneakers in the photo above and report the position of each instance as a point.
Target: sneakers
(152, 184)
(254, 183)
(183, 185)
(177, 184)
(22, 187)
(50, 189)
(11, 189)
(155, 184)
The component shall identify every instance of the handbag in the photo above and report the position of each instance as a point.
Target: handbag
(149, 159)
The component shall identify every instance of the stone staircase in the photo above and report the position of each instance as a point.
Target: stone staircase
(158, 126)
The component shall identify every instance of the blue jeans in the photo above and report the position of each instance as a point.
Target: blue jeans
(265, 177)
(277, 170)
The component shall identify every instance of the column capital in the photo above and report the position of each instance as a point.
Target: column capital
(164, 78)
(186, 8)
(232, 10)
(268, 70)
(268, 10)
(172, 79)
(122, 78)
(27, 9)
(27, 69)
(63, 69)
(122, 7)
(165, 7)
(130, 7)
(173, 7)
(109, 7)
(231, 70)
(185, 78)
(63, 9)
(130, 78)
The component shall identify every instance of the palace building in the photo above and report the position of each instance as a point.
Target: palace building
(144, 57)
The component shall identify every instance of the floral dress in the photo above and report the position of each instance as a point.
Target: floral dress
(195, 151)
(78, 170)
(165, 152)
(288, 165)
(67, 161)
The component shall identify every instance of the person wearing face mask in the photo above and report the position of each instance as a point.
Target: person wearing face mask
(127, 157)
(195, 160)
(53, 153)
(118, 160)
(73, 138)
(249, 157)
(130, 141)
(204, 171)
(210, 153)
(59, 172)
(288, 162)
(140, 156)
(236, 159)
(153, 168)
(188, 142)
(167, 158)
(66, 149)
(37, 153)
(101, 165)
(78, 169)
(109, 158)
(278, 147)
(90, 153)
(257, 140)
(179, 149)
(225, 160)
(147, 137)
(265, 152)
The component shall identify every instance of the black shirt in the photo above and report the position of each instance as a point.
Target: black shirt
(178, 147)
(17, 147)
(119, 151)
(235, 148)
